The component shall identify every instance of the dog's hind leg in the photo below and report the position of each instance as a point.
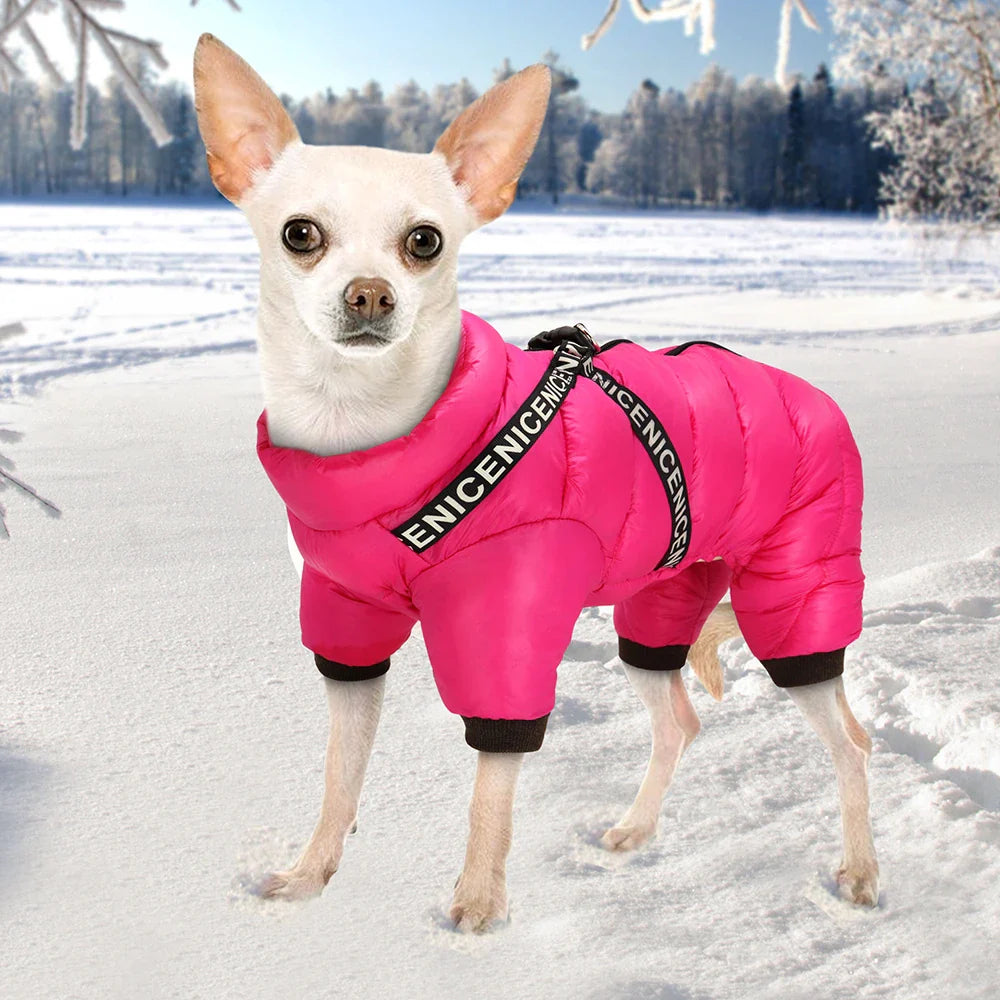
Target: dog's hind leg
(355, 707)
(825, 706)
(675, 724)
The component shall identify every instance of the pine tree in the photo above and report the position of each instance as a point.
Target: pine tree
(588, 139)
(760, 126)
(793, 157)
(184, 145)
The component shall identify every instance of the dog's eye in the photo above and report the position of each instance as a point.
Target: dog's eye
(424, 242)
(301, 236)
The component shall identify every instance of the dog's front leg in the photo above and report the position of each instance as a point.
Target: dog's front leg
(355, 707)
(481, 892)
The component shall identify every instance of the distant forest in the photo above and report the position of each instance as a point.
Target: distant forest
(719, 143)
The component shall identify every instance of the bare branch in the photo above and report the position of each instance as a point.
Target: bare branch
(50, 508)
(9, 66)
(669, 10)
(16, 18)
(588, 40)
(69, 19)
(807, 18)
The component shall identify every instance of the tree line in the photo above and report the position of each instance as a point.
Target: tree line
(718, 143)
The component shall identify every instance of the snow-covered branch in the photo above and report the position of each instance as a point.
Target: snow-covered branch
(8, 477)
(695, 13)
(83, 27)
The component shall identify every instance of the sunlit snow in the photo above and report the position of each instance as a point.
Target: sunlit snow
(162, 730)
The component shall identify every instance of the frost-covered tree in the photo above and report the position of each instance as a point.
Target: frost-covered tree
(946, 135)
(556, 153)
(759, 113)
(175, 162)
(628, 160)
(359, 117)
(648, 136)
(447, 100)
(946, 170)
(615, 167)
(711, 100)
(408, 125)
(555, 162)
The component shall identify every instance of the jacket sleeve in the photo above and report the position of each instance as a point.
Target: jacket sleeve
(346, 633)
(497, 618)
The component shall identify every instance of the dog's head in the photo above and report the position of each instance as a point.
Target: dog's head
(361, 241)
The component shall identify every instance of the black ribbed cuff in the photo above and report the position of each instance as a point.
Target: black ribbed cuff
(342, 672)
(505, 735)
(635, 654)
(811, 668)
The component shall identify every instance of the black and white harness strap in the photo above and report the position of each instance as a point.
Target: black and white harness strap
(574, 351)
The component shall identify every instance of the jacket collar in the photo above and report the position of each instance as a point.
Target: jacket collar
(342, 491)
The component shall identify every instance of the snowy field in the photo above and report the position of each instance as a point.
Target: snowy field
(162, 731)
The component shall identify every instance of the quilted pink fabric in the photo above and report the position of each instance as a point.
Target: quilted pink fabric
(774, 485)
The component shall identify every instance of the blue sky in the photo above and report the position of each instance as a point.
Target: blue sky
(302, 46)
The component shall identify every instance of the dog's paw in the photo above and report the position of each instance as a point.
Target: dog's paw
(628, 837)
(294, 884)
(859, 884)
(477, 913)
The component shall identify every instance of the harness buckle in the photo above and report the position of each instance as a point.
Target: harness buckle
(549, 340)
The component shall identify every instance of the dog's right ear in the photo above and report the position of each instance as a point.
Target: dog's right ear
(244, 126)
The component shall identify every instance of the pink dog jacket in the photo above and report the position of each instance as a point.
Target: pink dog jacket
(771, 510)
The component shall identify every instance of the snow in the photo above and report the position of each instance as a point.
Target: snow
(162, 731)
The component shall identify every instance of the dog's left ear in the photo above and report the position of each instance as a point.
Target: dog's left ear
(489, 143)
(244, 126)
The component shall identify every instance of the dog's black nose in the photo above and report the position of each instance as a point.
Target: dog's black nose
(372, 298)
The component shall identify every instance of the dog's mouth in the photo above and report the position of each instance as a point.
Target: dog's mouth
(363, 342)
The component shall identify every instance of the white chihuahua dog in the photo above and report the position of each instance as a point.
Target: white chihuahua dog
(359, 329)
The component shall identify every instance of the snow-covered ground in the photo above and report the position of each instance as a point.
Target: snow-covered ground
(162, 731)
